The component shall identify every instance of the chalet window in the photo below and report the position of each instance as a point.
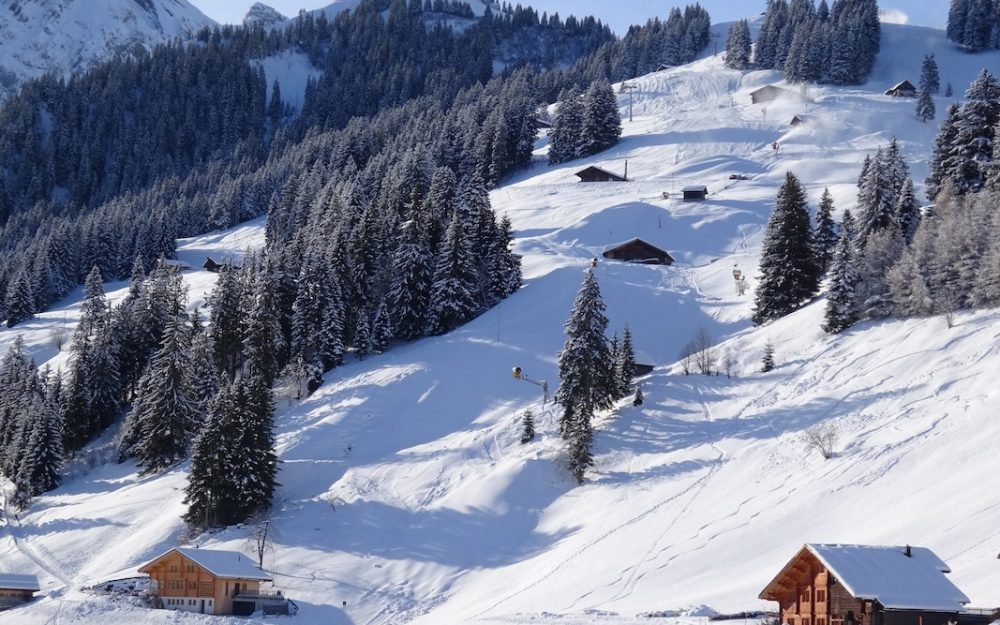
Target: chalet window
(820, 596)
(173, 568)
(805, 621)
(190, 568)
(820, 621)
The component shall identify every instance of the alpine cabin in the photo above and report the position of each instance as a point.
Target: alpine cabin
(770, 93)
(208, 581)
(695, 193)
(904, 89)
(16, 589)
(596, 174)
(865, 585)
(638, 251)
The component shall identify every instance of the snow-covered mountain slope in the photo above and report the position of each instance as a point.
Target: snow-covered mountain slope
(66, 36)
(406, 493)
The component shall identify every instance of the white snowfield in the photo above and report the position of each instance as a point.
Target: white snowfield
(405, 491)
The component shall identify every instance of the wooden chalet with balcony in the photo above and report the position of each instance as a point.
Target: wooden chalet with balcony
(16, 589)
(211, 582)
(866, 585)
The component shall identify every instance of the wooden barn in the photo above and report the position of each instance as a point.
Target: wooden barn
(865, 585)
(208, 581)
(769, 93)
(596, 174)
(639, 251)
(211, 265)
(16, 589)
(904, 89)
(796, 120)
(695, 193)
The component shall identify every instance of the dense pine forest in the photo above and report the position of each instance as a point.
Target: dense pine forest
(811, 43)
(379, 227)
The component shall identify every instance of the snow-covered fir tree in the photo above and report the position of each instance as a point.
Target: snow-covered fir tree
(825, 234)
(841, 303)
(602, 125)
(738, 45)
(565, 136)
(930, 78)
(625, 364)
(527, 427)
(789, 274)
(926, 111)
(454, 284)
(164, 416)
(586, 374)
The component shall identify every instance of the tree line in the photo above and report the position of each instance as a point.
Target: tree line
(826, 44)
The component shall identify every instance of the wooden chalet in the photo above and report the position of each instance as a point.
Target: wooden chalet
(695, 193)
(638, 251)
(211, 265)
(796, 120)
(865, 585)
(769, 93)
(207, 581)
(16, 589)
(904, 89)
(596, 174)
(542, 123)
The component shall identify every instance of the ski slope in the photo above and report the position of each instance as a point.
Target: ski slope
(405, 491)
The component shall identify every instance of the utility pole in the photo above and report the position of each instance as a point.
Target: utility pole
(627, 86)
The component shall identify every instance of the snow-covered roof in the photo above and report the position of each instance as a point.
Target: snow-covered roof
(886, 574)
(695, 188)
(227, 564)
(13, 581)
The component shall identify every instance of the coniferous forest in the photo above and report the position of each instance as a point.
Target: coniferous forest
(379, 226)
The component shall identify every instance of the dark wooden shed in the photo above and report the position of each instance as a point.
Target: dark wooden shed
(904, 89)
(796, 120)
(211, 265)
(695, 193)
(865, 585)
(769, 93)
(639, 251)
(596, 174)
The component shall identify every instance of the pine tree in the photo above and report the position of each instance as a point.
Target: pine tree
(527, 427)
(907, 213)
(586, 380)
(638, 398)
(362, 337)
(738, 45)
(452, 300)
(789, 274)
(40, 466)
(564, 138)
(930, 79)
(625, 363)
(941, 167)
(165, 415)
(841, 305)
(410, 290)
(602, 126)
(226, 320)
(767, 361)
(19, 301)
(948, 91)
(926, 110)
(825, 239)
(876, 200)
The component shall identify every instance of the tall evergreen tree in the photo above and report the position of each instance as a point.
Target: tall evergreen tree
(164, 416)
(789, 274)
(841, 304)
(738, 45)
(602, 126)
(926, 110)
(564, 138)
(453, 289)
(825, 239)
(586, 374)
(930, 79)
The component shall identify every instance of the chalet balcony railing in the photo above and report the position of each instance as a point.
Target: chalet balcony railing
(260, 595)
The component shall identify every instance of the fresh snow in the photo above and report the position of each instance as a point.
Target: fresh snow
(231, 564)
(292, 71)
(405, 491)
(67, 36)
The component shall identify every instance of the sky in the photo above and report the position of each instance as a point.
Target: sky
(619, 14)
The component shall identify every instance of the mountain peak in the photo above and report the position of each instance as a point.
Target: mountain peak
(66, 36)
(263, 15)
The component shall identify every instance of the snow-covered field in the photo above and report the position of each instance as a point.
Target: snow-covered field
(406, 493)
